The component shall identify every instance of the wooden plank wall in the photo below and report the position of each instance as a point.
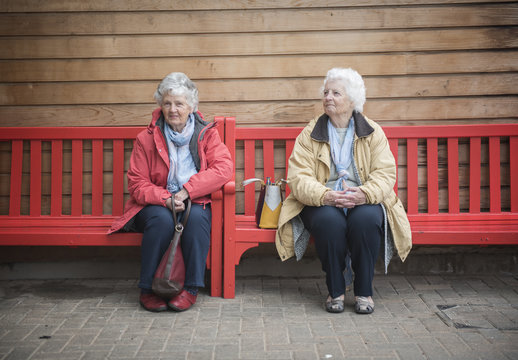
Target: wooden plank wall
(98, 62)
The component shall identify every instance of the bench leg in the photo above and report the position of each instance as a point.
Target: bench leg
(229, 269)
(216, 249)
(229, 245)
(216, 270)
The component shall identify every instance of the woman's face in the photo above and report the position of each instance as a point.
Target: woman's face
(336, 101)
(176, 111)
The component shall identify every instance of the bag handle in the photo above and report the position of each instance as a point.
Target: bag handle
(178, 226)
(252, 180)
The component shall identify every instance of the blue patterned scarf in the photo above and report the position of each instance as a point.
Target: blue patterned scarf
(341, 155)
(181, 164)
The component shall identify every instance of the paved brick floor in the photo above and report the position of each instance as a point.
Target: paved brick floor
(416, 317)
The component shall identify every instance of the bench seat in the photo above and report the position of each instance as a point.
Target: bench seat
(73, 231)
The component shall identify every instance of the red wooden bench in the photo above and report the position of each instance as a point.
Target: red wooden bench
(480, 210)
(67, 186)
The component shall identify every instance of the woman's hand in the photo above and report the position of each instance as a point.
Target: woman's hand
(347, 198)
(178, 200)
(181, 195)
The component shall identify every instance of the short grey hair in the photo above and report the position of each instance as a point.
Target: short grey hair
(178, 83)
(353, 83)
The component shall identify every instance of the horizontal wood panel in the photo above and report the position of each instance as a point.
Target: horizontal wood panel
(389, 112)
(153, 5)
(293, 19)
(257, 44)
(257, 66)
(256, 90)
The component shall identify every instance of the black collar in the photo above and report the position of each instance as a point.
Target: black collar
(361, 127)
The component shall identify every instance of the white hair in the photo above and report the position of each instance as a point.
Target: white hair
(178, 83)
(352, 82)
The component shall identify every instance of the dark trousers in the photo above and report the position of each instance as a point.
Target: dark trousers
(156, 222)
(359, 234)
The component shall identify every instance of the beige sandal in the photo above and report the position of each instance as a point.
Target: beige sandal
(363, 305)
(334, 305)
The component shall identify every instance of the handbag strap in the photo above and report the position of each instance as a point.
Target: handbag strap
(178, 226)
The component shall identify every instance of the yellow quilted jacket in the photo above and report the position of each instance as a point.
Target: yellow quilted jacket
(309, 169)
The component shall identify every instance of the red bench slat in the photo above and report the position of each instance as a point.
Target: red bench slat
(77, 177)
(393, 143)
(249, 173)
(35, 182)
(513, 172)
(474, 174)
(494, 174)
(453, 176)
(16, 178)
(412, 177)
(97, 177)
(56, 191)
(118, 177)
(433, 175)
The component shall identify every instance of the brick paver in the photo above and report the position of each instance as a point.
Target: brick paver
(416, 317)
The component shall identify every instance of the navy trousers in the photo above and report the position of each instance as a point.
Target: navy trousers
(156, 222)
(359, 234)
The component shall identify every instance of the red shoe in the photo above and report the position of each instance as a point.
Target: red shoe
(152, 302)
(183, 301)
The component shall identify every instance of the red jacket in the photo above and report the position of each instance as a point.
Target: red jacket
(149, 167)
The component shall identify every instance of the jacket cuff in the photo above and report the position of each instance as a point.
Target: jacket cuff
(166, 195)
(188, 188)
(323, 195)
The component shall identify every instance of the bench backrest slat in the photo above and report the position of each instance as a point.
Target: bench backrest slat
(77, 178)
(249, 172)
(453, 176)
(35, 179)
(290, 144)
(118, 177)
(56, 191)
(15, 187)
(513, 172)
(393, 143)
(494, 174)
(475, 160)
(412, 184)
(97, 177)
(432, 152)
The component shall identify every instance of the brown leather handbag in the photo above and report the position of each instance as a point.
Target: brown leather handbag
(170, 274)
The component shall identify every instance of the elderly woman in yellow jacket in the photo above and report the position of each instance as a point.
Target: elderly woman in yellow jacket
(341, 174)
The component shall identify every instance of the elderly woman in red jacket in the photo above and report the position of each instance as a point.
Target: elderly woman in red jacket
(178, 156)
